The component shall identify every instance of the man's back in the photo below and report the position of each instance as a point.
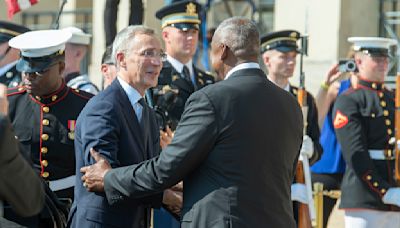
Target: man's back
(245, 180)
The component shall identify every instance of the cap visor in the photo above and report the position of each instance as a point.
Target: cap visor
(186, 26)
(24, 65)
(286, 49)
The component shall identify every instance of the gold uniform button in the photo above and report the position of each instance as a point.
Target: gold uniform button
(44, 150)
(77, 90)
(380, 94)
(383, 191)
(20, 89)
(46, 109)
(374, 85)
(373, 115)
(45, 163)
(45, 122)
(375, 184)
(369, 177)
(54, 97)
(383, 103)
(45, 174)
(389, 131)
(45, 137)
(387, 122)
(385, 112)
(38, 98)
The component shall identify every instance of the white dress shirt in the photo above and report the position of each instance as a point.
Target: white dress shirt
(242, 66)
(133, 96)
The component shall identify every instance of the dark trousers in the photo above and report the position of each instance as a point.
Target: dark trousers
(331, 182)
(110, 17)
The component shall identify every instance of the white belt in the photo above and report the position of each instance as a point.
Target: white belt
(381, 154)
(63, 183)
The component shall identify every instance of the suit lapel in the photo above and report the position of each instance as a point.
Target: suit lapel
(130, 116)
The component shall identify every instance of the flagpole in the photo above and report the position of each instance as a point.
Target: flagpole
(56, 23)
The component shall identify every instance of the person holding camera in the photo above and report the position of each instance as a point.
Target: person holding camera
(363, 119)
(179, 77)
(330, 168)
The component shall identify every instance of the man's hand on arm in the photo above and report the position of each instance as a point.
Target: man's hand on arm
(173, 200)
(93, 175)
(166, 137)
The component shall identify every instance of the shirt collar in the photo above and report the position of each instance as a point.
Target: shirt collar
(133, 95)
(286, 87)
(241, 67)
(179, 66)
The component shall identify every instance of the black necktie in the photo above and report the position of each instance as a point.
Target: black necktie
(186, 74)
(143, 120)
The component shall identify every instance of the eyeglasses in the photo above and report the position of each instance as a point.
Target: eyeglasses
(153, 54)
(39, 73)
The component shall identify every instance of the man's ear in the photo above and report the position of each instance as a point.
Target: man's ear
(265, 59)
(121, 59)
(224, 51)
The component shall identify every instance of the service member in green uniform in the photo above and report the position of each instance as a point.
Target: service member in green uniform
(180, 30)
(363, 118)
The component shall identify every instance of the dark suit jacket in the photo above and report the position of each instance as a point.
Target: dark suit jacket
(235, 150)
(17, 176)
(109, 124)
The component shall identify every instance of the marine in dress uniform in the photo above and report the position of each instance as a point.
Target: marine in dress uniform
(43, 112)
(8, 55)
(180, 23)
(363, 118)
(75, 52)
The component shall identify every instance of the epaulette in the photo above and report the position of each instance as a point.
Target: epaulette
(81, 93)
(16, 90)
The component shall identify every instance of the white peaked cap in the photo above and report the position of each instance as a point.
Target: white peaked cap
(371, 42)
(40, 43)
(78, 36)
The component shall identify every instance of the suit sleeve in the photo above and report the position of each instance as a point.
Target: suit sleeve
(313, 129)
(99, 130)
(352, 137)
(194, 138)
(20, 185)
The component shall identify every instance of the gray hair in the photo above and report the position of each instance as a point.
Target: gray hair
(123, 40)
(240, 35)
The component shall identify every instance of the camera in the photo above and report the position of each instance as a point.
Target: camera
(347, 65)
(164, 99)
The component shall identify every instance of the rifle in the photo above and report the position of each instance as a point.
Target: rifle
(397, 127)
(306, 212)
(56, 23)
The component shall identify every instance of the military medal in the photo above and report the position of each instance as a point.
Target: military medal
(71, 128)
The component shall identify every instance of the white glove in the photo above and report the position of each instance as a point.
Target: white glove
(307, 148)
(392, 196)
(299, 193)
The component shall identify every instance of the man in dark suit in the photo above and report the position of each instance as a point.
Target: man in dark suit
(231, 134)
(16, 175)
(122, 128)
(180, 31)
(8, 55)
